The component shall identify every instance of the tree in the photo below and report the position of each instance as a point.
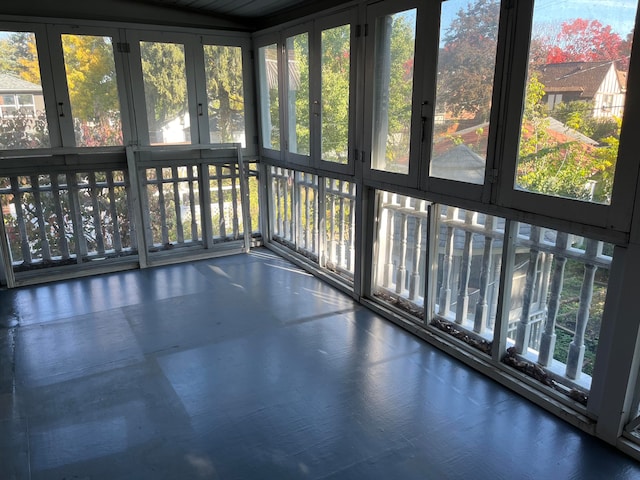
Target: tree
(225, 90)
(467, 60)
(582, 40)
(165, 84)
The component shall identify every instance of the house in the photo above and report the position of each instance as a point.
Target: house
(371, 323)
(598, 82)
(18, 95)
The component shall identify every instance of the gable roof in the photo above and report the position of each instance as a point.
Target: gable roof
(582, 77)
(12, 84)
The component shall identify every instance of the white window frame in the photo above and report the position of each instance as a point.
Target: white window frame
(259, 42)
(191, 45)
(373, 12)
(65, 115)
(244, 43)
(616, 216)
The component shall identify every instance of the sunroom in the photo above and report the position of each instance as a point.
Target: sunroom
(406, 153)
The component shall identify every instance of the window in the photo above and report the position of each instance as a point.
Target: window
(580, 53)
(93, 91)
(466, 64)
(225, 94)
(335, 94)
(23, 120)
(297, 70)
(269, 96)
(393, 91)
(165, 92)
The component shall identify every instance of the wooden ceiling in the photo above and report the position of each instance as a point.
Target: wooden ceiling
(257, 12)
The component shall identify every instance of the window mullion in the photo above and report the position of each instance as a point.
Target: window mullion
(200, 84)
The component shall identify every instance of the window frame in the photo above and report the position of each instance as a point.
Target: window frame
(54, 35)
(373, 12)
(258, 43)
(188, 41)
(244, 43)
(615, 216)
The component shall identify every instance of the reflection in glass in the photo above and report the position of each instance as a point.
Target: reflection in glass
(575, 95)
(269, 99)
(393, 91)
(466, 63)
(298, 93)
(93, 91)
(336, 58)
(225, 94)
(23, 120)
(165, 92)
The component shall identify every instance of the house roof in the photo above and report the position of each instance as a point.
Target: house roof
(12, 84)
(584, 78)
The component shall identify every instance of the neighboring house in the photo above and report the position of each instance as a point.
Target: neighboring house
(17, 94)
(597, 82)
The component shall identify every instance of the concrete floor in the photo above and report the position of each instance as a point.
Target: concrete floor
(245, 367)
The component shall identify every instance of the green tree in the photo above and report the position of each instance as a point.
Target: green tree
(165, 84)
(225, 90)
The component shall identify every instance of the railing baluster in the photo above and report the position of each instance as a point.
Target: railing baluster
(415, 282)
(76, 213)
(22, 227)
(401, 271)
(575, 356)
(548, 338)
(97, 223)
(341, 228)
(161, 205)
(192, 202)
(131, 209)
(462, 305)
(287, 218)
(444, 297)
(523, 329)
(177, 203)
(115, 223)
(57, 206)
(42, 228)
(222, 216)
(482, 307)
(352, 223)
(234, 200)
(317, 204)
(387, 279)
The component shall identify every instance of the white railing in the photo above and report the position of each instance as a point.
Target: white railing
(74, 208)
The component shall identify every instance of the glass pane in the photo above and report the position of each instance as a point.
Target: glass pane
(466, 63)
(559, 286)
(578, 63)
(165, 92)
(269, 99)
(298, 93)
(400, 252)
(469, 256)
(225, 94)
(23, 124)
(339, 245)
(393, 90)
(336, 62)
(93, 91)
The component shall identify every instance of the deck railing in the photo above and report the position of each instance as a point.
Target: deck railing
(74, 209)
(314, 216)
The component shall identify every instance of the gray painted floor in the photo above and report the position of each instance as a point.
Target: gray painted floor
(245, 367)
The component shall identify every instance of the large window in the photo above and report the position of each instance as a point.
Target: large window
(165, 92)
(393, 91)
(297, 69)
(225, 94)
(269, 96)
(336, 68)
(466, 63)
(93, 91)
(575, 96)
(23, 120)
